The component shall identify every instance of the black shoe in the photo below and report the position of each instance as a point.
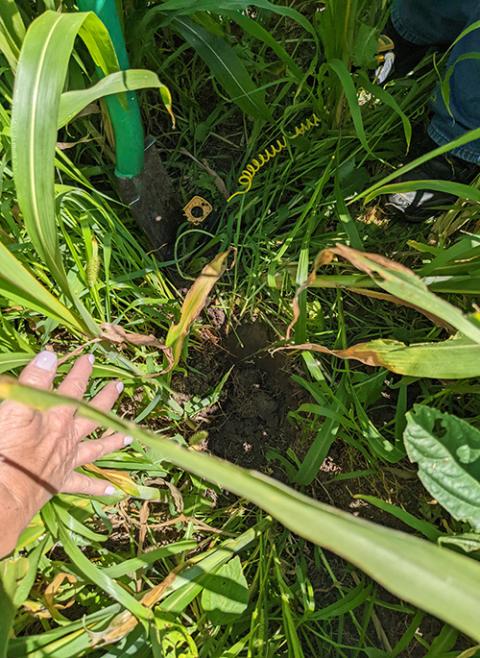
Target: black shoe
(420, 205)
(407, 55)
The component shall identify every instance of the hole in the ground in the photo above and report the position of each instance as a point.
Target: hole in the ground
(252, 415)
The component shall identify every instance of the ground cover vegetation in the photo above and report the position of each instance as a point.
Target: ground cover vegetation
(300, 371)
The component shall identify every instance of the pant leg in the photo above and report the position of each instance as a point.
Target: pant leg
(431, 22)
(464, 103)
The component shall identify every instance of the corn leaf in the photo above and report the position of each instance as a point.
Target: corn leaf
(73, 102)
(456, 358)
(457, 189)
(411, 568)
(226, 66)
(405, 285)
(341, 70)
(19, 286)
(194, 302)
(39, 82)
(447, 451)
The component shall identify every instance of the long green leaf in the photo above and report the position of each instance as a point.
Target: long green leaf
(20, 286)
(73, 102)
(226, 66)
(404, 284)
(457, 189)
(373, 190)
(456, 358)
(12, 31)
(39, 82)
(411, 568)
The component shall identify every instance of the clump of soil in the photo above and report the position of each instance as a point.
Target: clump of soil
(252, 415)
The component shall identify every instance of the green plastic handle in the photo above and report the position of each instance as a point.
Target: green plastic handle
(126, 118)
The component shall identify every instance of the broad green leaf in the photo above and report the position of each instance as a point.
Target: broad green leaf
(456, 358)
(194, 302)
(41, 74)
(19, 286)
(225, 593)
(447, 451)
(468, 542)
(226, 66)
(72, 102)
(411, 568)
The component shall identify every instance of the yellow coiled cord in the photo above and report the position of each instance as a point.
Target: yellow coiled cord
(271, 152)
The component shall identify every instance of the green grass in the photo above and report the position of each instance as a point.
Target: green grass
(171, 535)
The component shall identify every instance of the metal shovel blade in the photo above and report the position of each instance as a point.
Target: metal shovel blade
(154, 205)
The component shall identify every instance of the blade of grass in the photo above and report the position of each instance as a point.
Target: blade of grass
(341, 70)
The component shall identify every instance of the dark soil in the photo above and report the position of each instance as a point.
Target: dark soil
(252, 415)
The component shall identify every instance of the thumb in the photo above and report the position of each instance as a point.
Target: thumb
(40, 372)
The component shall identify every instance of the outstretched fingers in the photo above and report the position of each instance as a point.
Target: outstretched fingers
(75, 383)
(103, 401)
(82, 484)
(90, 451)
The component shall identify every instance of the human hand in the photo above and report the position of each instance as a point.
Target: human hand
(39, 451)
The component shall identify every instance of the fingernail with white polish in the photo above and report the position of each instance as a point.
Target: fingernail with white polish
(128, 440)
(119, 386)
(110, 491)
(46, 361)
(91, 358)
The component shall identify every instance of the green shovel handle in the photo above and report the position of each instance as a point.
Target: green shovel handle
(125, 116)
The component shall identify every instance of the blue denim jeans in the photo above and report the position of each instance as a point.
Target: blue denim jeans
(437, 22)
